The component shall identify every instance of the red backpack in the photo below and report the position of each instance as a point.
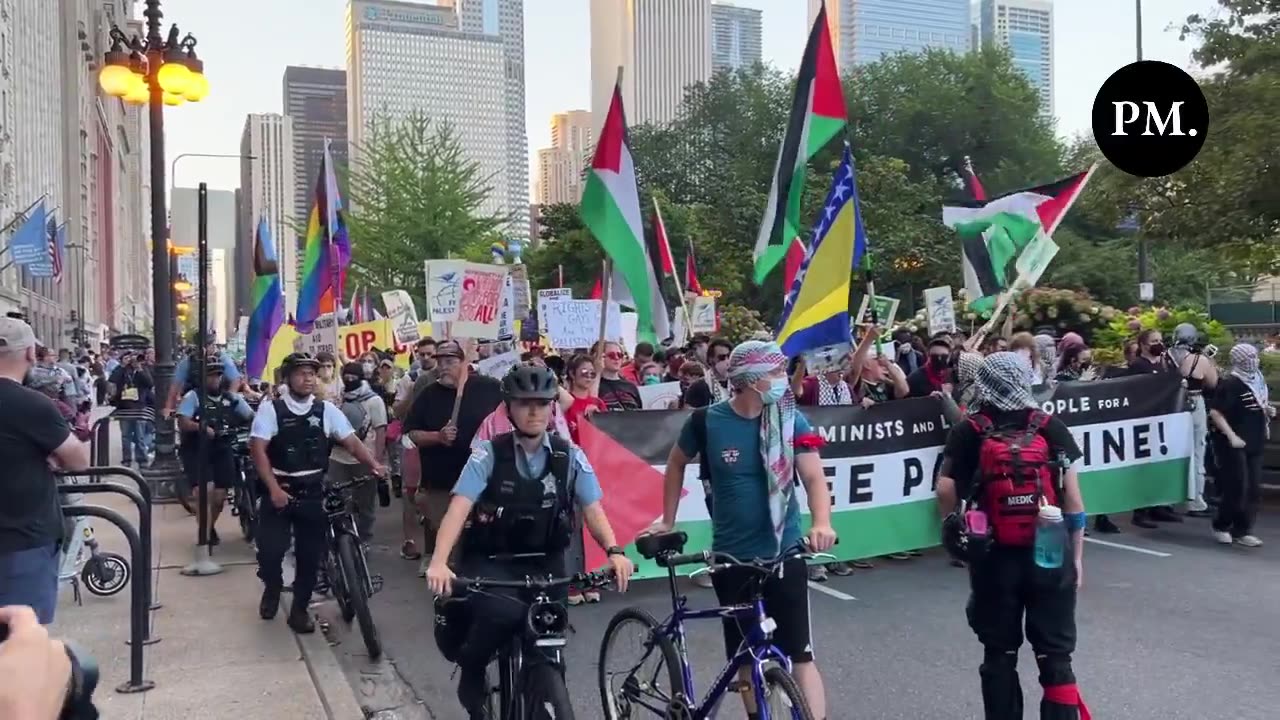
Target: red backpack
(1015, 472)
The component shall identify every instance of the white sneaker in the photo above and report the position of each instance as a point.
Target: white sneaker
(1197, 505)
(1248, 541)
(1222, 538)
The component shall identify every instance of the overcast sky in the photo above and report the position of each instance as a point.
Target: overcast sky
(246, 44)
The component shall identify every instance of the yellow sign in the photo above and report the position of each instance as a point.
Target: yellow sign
(353, 341)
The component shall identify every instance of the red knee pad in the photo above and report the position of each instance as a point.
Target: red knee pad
(1068, 695)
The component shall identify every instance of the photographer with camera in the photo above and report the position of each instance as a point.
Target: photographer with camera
(41, 678)
(224, 412)
(1198, 371)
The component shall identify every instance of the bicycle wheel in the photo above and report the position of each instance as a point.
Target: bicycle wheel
(337, 587)
(106, 574)
(638, 689)
(357, 593)
(784, 697)
(545, 695)
(245, 512)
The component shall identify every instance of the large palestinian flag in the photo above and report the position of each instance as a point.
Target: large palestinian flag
(611, 210)
(994, 232)
(817, 115)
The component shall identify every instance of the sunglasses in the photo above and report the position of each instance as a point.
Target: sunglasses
(613, 355)
(588, 373)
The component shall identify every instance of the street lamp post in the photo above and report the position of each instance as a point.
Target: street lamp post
(157, 71)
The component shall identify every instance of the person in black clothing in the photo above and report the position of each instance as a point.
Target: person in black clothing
(907, 356)
(290, 443)
(714, 385)
(1152, 358)
(224, 412)
(1241, 414)
(444, 442)
(130, 387)
(616, 391)
(1006, 584)
(935, 375)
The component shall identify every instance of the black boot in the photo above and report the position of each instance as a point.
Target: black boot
(270, 603)
(1140, 519)
(1104, 525)
(1164, 514)
(1001, 691)
(300, 622)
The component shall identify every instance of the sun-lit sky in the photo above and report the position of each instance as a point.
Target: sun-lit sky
(246, 44)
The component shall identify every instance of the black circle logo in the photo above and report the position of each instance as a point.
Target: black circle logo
(1150, 118)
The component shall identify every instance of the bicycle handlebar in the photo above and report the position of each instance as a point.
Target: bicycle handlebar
(529, 582)
(714, 559)
(342, 485)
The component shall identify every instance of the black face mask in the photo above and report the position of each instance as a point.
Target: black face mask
(352, 384)
(939, 361)
(1157, 349)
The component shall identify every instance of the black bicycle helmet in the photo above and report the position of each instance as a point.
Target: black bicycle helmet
(530, 382)
(293, 361)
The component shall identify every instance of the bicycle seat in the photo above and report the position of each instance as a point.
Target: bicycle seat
(655, 544)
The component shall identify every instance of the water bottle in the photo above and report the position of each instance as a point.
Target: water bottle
(1051, 538)
(384, 493)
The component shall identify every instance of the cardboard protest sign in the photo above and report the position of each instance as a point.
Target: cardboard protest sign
(576, 323)
(550, 295)
(467, 295)
(886, 311)
(940, 309)
(702, 312)
(403, 316)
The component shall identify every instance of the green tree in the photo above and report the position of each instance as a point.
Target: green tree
(415, 196)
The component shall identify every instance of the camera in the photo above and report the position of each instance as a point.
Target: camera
(78, 704)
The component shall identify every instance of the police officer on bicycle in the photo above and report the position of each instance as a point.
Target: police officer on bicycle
(513, 508)
(290, 443)
(223, 410)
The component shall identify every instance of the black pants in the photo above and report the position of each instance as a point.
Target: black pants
(1238, 479)
(1006, 587)
(497, 615)
(222, 468)
(305, 520)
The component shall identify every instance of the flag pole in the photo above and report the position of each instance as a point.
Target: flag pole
(675, 276)
(560, 274)
(334, 281)
(606, 281)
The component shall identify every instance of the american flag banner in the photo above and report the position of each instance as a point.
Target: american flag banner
(58, 246)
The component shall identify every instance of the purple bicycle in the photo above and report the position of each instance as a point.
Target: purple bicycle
(666, 689)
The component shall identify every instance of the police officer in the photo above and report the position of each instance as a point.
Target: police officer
(223, 411)
(290, 443)
(516, 495)
(1007, 457)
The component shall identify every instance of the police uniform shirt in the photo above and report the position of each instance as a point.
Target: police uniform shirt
(479, 468)
(191, 403)
(265, 426)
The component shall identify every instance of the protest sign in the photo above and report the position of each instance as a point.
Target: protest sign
(940, 309)
(506, 311)
(576, 323)
(519, 274)
(630, 325)
(881, 462)
(663, 396)
(319, 340)
(403, 316)
(497, 366)
(467, 295)
(444, 288)
(886, 311)
(353, 341)
(827, 358)
(702, 314)
(550, 295)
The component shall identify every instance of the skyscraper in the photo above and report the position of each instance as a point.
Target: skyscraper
(863, 31)
(315, 100)
(560, 166)
(461, 63)
(266, 190)
(1026, 28)
(663, 46)
(735, 36)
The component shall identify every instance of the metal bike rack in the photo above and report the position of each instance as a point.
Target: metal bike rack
(138, 611)
(141, 498)
(100, 447)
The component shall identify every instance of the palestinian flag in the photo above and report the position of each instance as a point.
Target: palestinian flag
(994, 232)
(611, 210)
(817, 115)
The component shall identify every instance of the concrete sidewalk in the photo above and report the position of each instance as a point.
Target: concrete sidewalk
(215, 657)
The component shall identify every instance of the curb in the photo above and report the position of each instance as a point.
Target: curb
(335, 691)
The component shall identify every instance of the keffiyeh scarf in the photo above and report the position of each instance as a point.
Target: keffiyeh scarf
(749, 362)
(1002, 383)
(1047, 352)
(837, 394)
(1244, 365)
(967, 366)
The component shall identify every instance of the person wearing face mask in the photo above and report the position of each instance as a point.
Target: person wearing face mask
(906, 356)
(617, 392)
(1152, 358)
(1241, 416)
(367, 413)
(757, 446)
(651, 374)
(935, 375)
(714, 386)
(290, 443)
(34, 439)
(1200, 374)
(643, 356)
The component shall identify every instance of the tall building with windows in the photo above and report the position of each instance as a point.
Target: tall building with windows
(560, 166)
(736, 37)
(1026, 28)
(267, 190)
(863, 31)
(663, 46)
(315, 100)
(461, 63)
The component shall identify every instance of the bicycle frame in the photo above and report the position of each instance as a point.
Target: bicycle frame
(343, 523)
(755, 651)
(511, 662)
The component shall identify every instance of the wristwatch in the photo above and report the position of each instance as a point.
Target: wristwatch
(614, 550)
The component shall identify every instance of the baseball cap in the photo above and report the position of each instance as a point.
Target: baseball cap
(15, 334)
(449, 348)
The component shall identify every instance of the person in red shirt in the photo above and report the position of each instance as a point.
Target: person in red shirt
(633, 371)
(580, 376)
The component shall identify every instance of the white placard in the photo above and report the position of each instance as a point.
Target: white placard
(940, 309)
(507, 311)
(630, 326)
(703, 312)
(497, 366)
(403, 317)
(320, 339)
(827, 358)
(663, 396)
(550, 295)
(467, 295)
(519, 274)
(576, 323)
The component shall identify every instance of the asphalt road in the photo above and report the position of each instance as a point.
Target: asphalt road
(1171, 627)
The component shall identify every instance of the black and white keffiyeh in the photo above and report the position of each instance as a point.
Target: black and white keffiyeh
(833, 394)
(1003, 384)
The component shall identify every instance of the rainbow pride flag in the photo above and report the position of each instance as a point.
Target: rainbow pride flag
(327, 251)
(268, 303)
